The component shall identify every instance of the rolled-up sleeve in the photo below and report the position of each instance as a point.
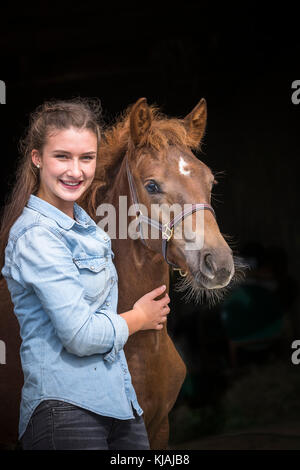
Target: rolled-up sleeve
(43, 262)
(121, 334)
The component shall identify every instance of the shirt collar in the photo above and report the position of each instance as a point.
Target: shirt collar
(66, 222)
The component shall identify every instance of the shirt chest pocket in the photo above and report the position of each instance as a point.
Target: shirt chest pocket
(94, 276)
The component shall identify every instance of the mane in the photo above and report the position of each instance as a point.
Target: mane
(116, 140)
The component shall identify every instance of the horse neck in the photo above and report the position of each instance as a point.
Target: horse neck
(139, 268)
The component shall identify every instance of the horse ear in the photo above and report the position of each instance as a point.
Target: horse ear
(195, 121)
(140, 121)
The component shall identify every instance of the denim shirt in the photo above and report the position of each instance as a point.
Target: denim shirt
(64, 287)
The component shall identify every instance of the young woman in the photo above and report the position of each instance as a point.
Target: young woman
(77, 391)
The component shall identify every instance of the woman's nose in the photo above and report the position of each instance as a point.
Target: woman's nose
(75, 169)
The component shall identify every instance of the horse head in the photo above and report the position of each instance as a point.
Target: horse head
(166, 173)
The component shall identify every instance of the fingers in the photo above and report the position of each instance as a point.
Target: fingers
(160, 325)
(156, 292)
(164, 301)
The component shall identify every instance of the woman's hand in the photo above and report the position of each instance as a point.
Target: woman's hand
(153, 313)
(147, 313)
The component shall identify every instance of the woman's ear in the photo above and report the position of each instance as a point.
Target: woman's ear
(35, 157)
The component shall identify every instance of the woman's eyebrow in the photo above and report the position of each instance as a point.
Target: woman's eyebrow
(69, 153)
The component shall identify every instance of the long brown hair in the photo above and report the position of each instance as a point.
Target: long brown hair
(81, 113)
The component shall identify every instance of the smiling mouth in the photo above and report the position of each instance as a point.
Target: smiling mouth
(71, 184)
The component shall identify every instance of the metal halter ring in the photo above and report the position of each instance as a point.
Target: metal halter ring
(181, 272)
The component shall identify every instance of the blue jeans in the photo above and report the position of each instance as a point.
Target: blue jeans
(57, 425)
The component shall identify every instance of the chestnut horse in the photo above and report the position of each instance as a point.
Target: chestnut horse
(153, 153)
(148, 158)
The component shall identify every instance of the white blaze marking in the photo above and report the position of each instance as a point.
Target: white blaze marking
(182, 164)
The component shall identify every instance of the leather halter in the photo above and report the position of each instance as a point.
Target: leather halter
(167, 230)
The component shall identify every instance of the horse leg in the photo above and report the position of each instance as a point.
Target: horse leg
(172, 374)
(159, 437)
(11, 374)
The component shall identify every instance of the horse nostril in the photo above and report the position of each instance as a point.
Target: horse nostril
(208, 266)
(210, 263)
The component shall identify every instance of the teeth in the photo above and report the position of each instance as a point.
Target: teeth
(71, 184)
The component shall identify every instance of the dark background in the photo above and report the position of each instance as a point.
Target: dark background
(242, 59)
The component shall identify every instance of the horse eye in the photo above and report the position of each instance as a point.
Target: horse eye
(152, 187)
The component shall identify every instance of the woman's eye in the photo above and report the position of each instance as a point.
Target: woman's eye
(85, 157)
(152, 187)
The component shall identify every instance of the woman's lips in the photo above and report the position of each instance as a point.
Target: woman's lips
(71, 186)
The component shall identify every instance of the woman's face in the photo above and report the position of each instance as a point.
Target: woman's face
(67, 166)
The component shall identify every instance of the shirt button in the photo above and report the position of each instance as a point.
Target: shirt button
(92, 267)
(105, 238)
(107, 303)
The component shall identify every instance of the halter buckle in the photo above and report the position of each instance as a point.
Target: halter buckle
(167, 232)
